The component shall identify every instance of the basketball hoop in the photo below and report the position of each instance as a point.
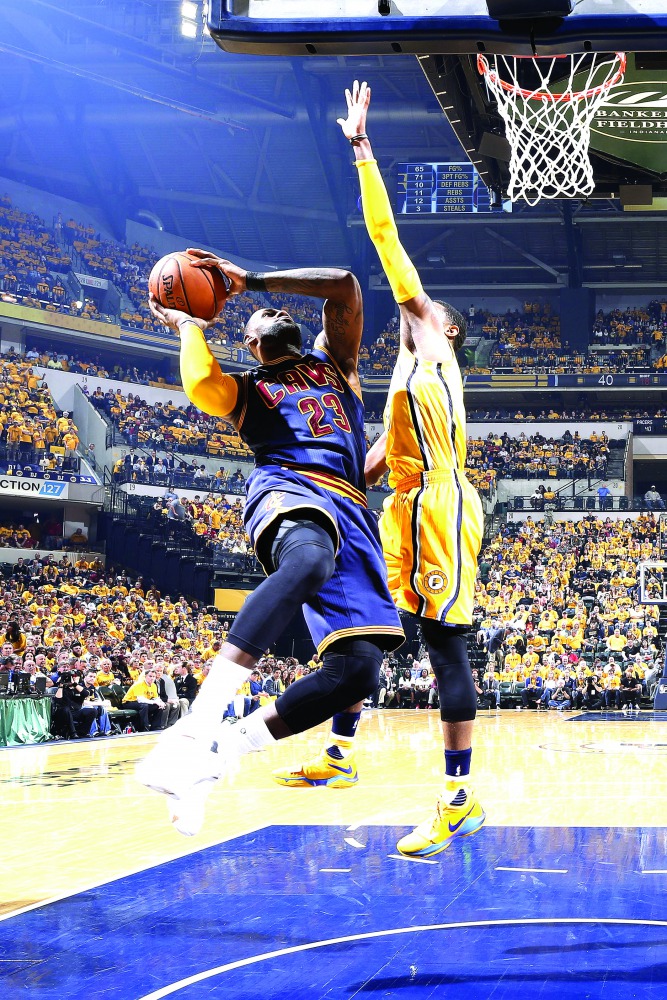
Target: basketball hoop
(549, 133)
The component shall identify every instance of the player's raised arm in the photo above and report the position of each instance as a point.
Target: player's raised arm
(342, 314)
(422, 322)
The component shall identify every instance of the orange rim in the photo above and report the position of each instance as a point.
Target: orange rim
(545, 95)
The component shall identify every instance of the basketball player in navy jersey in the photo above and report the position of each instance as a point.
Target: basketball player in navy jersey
(306, 514)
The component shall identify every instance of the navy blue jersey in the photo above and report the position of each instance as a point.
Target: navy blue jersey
(355, 601)
(301, 412)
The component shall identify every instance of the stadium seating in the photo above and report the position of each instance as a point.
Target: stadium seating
(37, 264)
(566, 596)
(536, 456)
(32, 433)
(74, 616)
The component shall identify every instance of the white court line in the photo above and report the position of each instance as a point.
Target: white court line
(354, 843)
(342, 870)
(351, 829)
(199, 977)
(655, 871)
(422, 861)
(548, 871)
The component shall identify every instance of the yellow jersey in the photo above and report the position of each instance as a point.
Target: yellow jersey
(424, 417)
(431, 527)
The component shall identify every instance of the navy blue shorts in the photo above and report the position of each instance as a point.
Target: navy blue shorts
(355, 602)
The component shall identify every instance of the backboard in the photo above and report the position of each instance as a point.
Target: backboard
(420, 27)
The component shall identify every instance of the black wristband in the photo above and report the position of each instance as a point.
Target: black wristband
(255, 282)
(357, 138)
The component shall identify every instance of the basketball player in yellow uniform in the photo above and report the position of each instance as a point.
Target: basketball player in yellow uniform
(432, 524)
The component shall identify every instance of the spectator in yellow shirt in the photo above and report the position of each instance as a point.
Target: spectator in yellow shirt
(105, 676)
(144, 694)
(616, 642)
(71, 443)
(13, 441)
(512, 662)
(63, 423)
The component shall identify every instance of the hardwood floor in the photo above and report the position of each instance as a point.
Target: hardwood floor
(74, 817)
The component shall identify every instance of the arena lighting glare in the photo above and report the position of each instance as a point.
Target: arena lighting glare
(190, 18)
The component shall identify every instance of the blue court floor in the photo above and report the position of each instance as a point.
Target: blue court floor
(329, 913)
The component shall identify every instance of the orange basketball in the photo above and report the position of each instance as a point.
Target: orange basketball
(176, 284)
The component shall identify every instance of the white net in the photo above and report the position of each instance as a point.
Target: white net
(549, 131)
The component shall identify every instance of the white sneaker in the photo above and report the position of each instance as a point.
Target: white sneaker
(185, 771)
(187, 813)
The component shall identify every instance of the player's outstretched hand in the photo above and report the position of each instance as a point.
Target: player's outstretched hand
(357, 109)
(174, 317)
(234, 274)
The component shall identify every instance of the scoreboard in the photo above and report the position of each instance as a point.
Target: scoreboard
(441, 189)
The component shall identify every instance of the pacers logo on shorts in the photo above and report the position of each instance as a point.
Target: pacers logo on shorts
(275, 500)
(435, 582)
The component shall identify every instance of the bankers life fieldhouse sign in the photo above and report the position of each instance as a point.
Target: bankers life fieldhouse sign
(632, 124)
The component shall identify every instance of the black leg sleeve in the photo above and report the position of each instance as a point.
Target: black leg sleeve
(448, 651)
(304, 557)
(349, 673)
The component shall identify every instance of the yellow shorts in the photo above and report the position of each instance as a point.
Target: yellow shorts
(431, 530)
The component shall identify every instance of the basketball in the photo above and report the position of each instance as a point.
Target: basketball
(176, 284)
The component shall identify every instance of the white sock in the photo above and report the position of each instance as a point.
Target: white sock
(249, 734)
(218, 689)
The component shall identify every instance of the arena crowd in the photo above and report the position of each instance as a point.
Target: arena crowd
(167, 426)
(144, 653)
(564, 599)
(32, 433)
(38, 261)
(537, 457)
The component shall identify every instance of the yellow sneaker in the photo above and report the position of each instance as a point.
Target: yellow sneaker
(449, 822)
(321, 770)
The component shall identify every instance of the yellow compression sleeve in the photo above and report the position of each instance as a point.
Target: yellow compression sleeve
(381, 226)
(205, 384)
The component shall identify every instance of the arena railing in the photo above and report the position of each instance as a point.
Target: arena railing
(592, 504)
(178, 481)
(151, 530)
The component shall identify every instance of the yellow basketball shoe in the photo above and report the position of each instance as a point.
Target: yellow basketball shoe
(451, 820)
(324, 769)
